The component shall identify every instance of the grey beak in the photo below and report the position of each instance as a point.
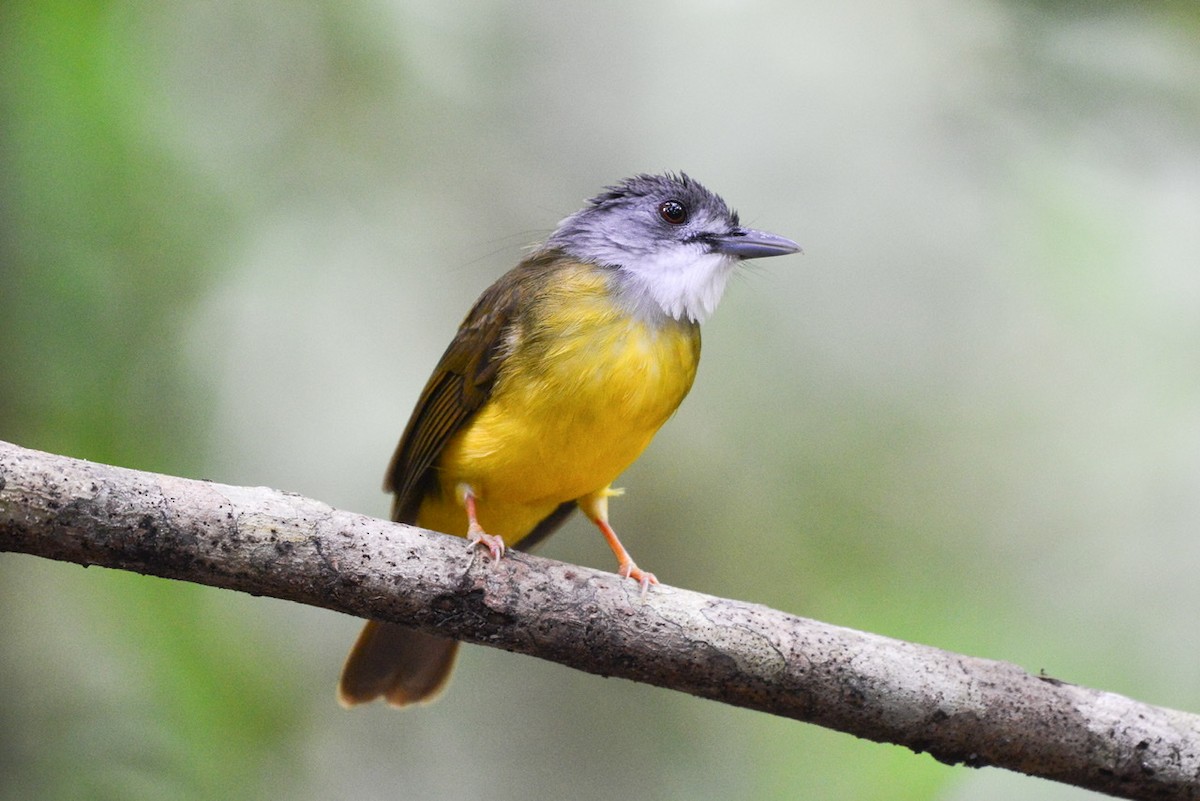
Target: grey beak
(746, 243)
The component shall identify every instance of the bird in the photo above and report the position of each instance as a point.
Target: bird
(555, 382)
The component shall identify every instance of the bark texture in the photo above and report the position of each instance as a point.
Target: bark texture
(960, 709)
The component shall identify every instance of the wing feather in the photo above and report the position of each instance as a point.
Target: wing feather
(461, 383)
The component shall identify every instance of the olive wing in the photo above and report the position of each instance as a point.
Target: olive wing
(461, 383)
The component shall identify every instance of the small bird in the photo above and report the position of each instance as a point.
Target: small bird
(555, 383)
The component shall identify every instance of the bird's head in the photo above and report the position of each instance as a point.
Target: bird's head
(672, 242)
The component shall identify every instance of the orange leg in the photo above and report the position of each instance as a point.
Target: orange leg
(595, 506)
(475, 533)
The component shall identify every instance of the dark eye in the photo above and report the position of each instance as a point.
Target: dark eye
(673, 212)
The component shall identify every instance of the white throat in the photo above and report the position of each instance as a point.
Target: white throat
(686, 283)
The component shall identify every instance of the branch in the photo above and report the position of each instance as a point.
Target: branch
(959, 709)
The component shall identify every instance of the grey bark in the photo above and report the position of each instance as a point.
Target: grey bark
(960, 709)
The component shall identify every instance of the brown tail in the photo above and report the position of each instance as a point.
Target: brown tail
(403, 665)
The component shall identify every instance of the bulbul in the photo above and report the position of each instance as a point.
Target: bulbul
(556, 381)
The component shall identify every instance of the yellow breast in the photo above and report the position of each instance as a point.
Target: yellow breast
(584, 387)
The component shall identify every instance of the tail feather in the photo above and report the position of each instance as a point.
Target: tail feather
(403, 665)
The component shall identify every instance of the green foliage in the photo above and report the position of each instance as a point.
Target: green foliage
(108, 244)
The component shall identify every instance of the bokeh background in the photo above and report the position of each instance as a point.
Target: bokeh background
(235, 237)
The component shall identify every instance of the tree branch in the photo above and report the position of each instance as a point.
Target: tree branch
(959, 709)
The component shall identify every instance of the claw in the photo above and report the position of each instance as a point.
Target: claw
(494, 544)
(642, 577)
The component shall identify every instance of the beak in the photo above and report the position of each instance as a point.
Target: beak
(746, 243)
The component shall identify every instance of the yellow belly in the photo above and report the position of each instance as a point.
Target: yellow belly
(581, 393)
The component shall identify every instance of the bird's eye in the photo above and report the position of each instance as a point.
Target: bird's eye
(673, 211)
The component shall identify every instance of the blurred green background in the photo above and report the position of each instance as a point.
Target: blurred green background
(235, 237)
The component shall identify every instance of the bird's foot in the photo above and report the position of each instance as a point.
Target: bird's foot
(475, 533)
(495, 545)
(631, 571)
